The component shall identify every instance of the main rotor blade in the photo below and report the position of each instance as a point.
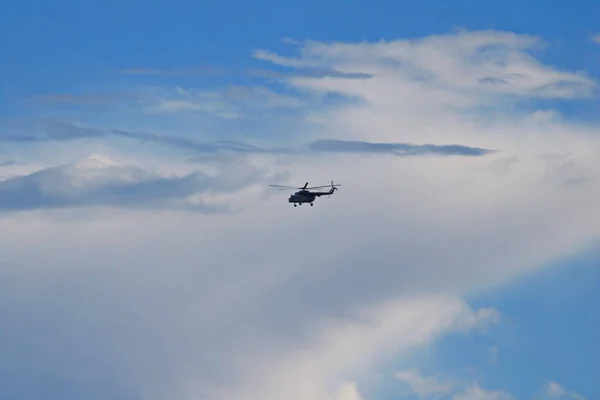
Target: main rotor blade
(319, 187)
(286, 187)
(303, 187)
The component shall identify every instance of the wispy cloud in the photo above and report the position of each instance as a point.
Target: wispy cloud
(45, 130)
(204, 70)
(596, 38)
(319, 146)
(91, 99)
(61, 131)
(230, 102)
(269, 56)
(214, 71)
(200, 147)
(233, 101)
(8, 163)
(307, 73)
(404, 149)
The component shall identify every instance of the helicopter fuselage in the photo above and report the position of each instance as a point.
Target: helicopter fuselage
(305, 196)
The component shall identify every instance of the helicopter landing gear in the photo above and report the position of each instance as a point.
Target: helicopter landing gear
(311, 204)
(295, 205)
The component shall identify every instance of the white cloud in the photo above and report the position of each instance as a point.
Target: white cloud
(474, 392)
(466, 67)
(554, 390)
(421, 386)
(342, 351)
(276, 301)
(596, 38)
(443, 76)
(348, 391)
(99, 181)
(457, 389)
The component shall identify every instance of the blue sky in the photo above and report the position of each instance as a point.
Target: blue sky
(547, 336)
(158, 140)
(552, 310)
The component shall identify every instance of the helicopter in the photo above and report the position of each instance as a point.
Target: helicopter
(304, 195)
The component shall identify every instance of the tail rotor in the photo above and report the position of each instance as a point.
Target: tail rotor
(333, 189)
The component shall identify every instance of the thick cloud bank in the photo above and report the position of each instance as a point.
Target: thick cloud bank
(277, 302)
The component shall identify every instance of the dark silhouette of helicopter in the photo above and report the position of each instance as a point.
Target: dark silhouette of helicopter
(304, 195)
